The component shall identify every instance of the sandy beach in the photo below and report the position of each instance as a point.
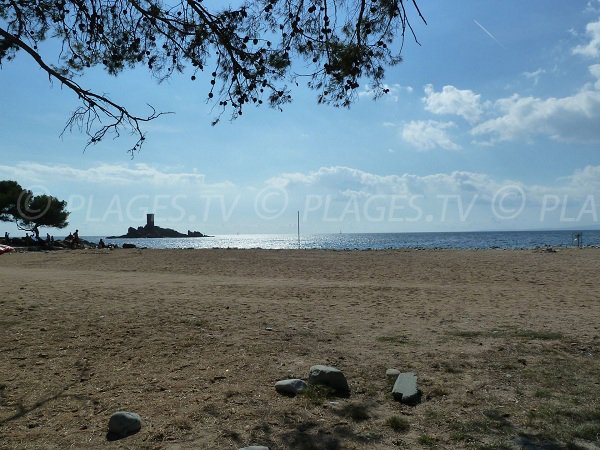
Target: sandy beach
(504, 344)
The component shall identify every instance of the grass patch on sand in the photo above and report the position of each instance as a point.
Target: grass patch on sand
(393, 339)
(541, 335)
(544, 393)
(491, 423)
(316, 394)
(358, 412)
(10, 322)
(427, 440)
(397, 423)
(565, 422)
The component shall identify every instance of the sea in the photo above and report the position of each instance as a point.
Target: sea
(377, 241)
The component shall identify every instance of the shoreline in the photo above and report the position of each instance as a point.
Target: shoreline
(548, 248)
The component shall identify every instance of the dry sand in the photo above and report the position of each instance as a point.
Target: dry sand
(505, 345)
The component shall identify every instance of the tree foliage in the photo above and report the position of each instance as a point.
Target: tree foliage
(30, 211)
(10, 192)
(252, 50)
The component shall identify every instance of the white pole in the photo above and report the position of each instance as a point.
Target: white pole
(298, 229)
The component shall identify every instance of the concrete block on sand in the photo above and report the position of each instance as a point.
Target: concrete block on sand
(405, 389)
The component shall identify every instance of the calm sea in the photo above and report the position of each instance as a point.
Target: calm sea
(375, 241)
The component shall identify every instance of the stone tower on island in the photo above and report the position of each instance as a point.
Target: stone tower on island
(149, 220)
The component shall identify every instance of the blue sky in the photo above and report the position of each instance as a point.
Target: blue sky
(492, 123)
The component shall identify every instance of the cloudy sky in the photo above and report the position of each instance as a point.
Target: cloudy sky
(491, 123)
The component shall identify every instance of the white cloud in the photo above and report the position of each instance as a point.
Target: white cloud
(584, 181)
(457, 199)
(330, 197)
(535, 75)
(349, 182)
(572, 119)
(593, 6)
(595, 71)
(567, 119)
(592, 48)
(428, 135)
(105, 174)
(340, 178)
(346, 181)
(450, 100)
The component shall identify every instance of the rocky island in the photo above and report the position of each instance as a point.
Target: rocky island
(152, 231)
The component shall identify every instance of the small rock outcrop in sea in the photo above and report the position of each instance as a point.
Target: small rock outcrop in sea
(330, 377)
(155, 232)
(291, 387)
(405, 389)
(152, 231)
(123, 424)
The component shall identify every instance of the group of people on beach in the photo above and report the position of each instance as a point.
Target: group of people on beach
(73, 239)
(34, 239)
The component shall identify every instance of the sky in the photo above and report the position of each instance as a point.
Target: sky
(492, 122)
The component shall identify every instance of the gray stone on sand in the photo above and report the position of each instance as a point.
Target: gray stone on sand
(255, 447)
(124, 423)
(290, 387)
(392, 374)
(405, 389)
(330, 377)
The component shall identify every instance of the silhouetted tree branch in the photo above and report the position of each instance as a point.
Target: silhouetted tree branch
(252, 50)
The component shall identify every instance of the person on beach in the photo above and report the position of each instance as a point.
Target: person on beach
(6, 238)
(74, 239)
(101, 244)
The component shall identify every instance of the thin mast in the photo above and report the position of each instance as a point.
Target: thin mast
(298, 229)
